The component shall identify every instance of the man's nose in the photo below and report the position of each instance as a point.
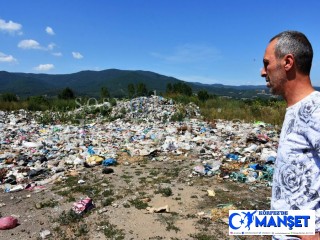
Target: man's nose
(263, 72)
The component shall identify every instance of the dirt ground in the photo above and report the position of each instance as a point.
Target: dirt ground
(123, 200)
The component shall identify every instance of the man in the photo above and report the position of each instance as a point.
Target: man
(296, 180)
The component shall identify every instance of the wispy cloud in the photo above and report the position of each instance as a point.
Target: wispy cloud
(51, 46)
(44, 67)
(7, 58)
(77, 55)
(33, 44)
(29, 44)
(10, 27)
(189, 53)
(50, 31)
(57, 54)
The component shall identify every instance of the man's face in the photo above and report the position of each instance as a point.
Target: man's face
(273, 71)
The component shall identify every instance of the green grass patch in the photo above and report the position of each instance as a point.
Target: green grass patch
(49, 204)
(69, 217)
(111, 231)
(137, 203)
(107, 201)
(166, 192)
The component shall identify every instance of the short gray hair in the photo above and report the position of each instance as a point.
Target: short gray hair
(296, 43)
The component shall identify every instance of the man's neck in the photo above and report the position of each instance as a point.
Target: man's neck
(297, 90)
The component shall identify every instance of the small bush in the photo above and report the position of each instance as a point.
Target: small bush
(111, 231)
(138, 204)
(166, 192)
(107, 202)
(66, 218)
(9, 97)
(177, 117)
(50, 203)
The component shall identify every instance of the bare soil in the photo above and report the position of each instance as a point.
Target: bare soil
(121, 198)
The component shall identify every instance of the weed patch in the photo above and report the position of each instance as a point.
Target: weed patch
(166, 192)
(138, 204)
(66, 218)
(169, 220)
(107, 201)
(111, 231)
(49, 204)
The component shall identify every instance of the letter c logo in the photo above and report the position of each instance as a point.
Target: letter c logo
(230, 221)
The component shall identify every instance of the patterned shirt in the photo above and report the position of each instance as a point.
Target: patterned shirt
(296, 179)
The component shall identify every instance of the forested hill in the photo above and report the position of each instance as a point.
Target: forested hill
(89, 83)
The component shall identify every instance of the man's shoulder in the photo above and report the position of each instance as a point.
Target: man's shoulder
(309, 108)
(316, 101)
(312, 101)
(315, 94)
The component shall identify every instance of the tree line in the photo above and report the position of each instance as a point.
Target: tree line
(133, 90)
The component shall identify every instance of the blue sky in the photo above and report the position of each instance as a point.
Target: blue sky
(208, 41)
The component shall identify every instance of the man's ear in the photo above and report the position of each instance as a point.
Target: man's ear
(288, 61)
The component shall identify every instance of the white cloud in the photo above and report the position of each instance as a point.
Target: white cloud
(189, 53)
(7, 58)
(10, 27)
(50, 31)
(57, 54)
(44, 67)
(33, 44)
(29, 44)
(77, 55)
(51, 46)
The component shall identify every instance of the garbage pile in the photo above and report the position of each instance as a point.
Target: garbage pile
(32, 154)
(244, 152)
(153, 108)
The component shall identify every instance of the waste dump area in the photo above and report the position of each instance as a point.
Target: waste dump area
(156, 171)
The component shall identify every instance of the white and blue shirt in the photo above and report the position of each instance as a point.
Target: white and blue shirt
(296, 179)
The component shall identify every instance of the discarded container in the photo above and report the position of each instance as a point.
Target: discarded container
(14, 189)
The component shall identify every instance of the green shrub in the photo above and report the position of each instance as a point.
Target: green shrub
(9, 97)
(138, 204)
(177, 117)
(66, 93)
(166, 192)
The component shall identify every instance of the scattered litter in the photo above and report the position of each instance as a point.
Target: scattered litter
(8, 222)
(33, 155)
(203, 215)
(81, 181)
(109, 162)
(107, 170)
(164, 209)
(222, 211)
(211, 193)
(44, 234)
(83, 206)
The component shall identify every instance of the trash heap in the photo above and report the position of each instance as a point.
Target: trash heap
(154, 108)
(244, 152)
(33, 154)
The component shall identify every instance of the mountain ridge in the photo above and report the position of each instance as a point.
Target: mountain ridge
(89, 82)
